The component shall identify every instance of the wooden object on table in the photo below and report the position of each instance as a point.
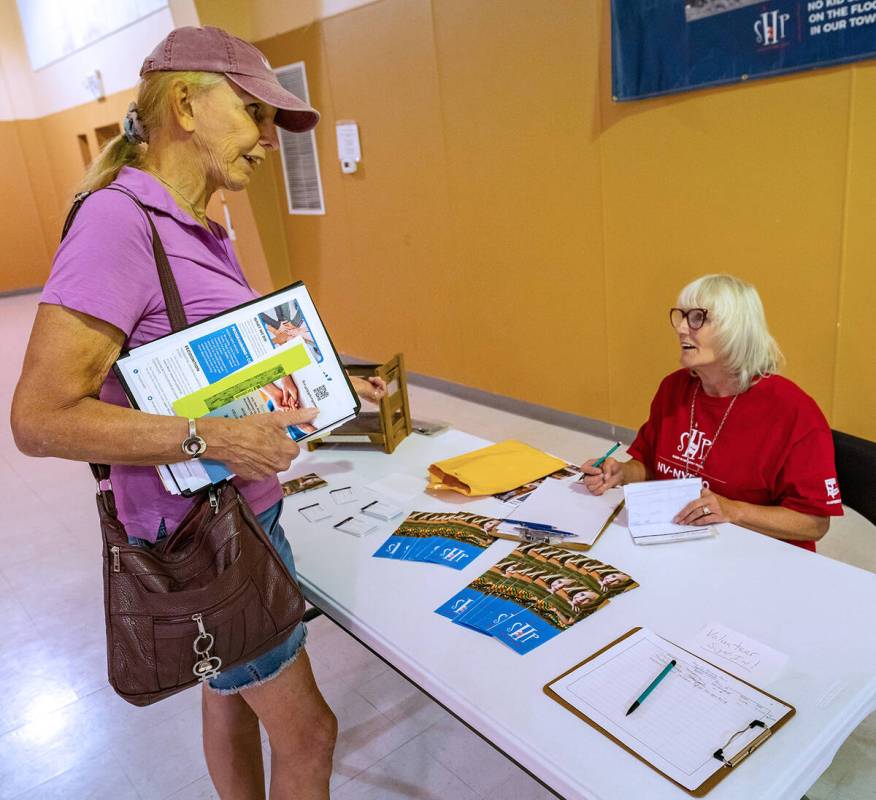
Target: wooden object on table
(391, 422)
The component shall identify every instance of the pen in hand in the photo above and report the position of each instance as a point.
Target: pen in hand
(599, 461)
(641, 698)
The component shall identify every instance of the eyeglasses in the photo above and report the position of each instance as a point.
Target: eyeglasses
(696, 317)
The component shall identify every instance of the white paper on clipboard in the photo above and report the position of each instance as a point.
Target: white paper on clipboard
(691, 713)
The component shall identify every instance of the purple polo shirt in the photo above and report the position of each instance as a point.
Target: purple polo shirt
(105, 268)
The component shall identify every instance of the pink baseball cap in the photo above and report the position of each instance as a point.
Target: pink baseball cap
(214, 50)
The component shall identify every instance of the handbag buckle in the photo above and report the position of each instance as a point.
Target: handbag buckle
(207, 666)
(214, 502)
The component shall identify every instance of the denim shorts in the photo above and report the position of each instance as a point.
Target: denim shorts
(270, 664)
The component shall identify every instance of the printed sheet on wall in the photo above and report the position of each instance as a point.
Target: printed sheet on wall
(664, 46)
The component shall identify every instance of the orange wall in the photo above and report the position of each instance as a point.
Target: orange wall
(23, 247)
(42, 165)
(512, 229)
(854, 388)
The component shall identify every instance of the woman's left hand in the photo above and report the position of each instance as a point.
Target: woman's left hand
(709, 509)
(372, 389)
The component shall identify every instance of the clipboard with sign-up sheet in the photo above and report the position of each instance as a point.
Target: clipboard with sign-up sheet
(696, 726)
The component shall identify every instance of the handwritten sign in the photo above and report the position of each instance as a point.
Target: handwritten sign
(737, 653)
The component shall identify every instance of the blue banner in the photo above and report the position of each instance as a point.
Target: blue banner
(664, 46)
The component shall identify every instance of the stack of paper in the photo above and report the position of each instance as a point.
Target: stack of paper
(271, 354)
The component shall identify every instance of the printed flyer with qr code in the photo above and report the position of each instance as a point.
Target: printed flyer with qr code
(272, 354)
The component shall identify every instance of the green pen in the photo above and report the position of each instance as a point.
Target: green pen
(598, 462)
(641, 698)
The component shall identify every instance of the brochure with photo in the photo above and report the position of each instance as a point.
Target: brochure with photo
(534, 594)
(303, 484)
(518, 495)
(449, 538)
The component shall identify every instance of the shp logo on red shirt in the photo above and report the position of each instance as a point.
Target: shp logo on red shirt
(832, 491)
(693, 445)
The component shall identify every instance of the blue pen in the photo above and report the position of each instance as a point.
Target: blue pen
(539, 526)
(641, 698)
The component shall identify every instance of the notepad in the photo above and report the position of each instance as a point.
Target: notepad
(343, 495)
(692, 713)
(355, 526)
(380, 510)
(652, 505)
(314, 512)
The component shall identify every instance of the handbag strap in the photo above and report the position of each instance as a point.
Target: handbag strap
(172, 302)
(169, 289)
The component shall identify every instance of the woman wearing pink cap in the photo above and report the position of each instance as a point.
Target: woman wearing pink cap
(204, 120)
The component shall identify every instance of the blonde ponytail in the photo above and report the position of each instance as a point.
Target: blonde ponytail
(116, 153)
(153, 110)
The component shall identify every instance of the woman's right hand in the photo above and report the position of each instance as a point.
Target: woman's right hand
(254, 447)
(607, 476)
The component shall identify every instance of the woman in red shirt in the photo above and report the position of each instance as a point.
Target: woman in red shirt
(760, 444)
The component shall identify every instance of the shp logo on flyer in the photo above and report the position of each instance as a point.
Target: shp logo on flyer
(832, 491)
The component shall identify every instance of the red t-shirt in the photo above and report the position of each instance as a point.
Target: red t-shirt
(775, 448)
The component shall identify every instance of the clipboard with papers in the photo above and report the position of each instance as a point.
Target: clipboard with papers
(562, 512)
(268, 354)
(697, 725)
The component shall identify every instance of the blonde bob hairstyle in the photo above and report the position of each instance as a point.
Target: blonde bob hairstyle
(154, 110)
(743, 340)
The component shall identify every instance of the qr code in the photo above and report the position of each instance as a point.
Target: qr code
(320, 392)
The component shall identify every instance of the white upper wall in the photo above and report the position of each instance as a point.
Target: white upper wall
(5, 100)
(54, 29)
(270, 18)
(30, 94)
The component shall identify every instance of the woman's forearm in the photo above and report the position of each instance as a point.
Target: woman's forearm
(92, 430)
(634, 471)
(780, 522)
(55, 410)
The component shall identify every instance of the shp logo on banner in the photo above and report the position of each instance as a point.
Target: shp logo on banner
(770, 28)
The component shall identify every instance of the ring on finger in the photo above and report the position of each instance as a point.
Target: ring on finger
(706, 511)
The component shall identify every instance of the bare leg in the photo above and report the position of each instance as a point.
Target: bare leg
(302, 732)
(233, 747)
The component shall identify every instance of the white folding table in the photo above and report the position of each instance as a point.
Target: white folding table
(816, 610)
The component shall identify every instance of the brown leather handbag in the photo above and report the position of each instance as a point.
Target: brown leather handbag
(213, 594)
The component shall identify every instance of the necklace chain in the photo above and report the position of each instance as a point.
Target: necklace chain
(693, 401)
(198, 215)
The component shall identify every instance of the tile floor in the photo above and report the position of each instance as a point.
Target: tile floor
(65, 735)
